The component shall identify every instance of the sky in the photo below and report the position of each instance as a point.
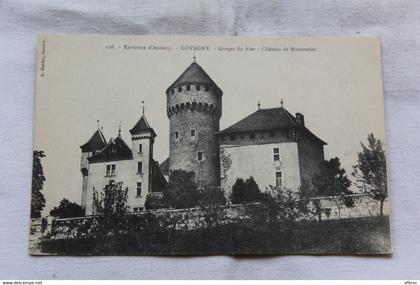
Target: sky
(335, 83)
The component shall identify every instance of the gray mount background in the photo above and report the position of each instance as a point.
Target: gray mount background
(396, 22)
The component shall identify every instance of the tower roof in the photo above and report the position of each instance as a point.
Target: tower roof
(192, 75)
(96, 142)
(268, 119)
(116, 149)
(142, 126)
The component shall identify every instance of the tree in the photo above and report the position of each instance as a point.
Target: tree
(211, 201)
(67, 209)
(38, 178)
(370, 170)
(245, 191)
(181, 191)
(331, 179)
(110, 225)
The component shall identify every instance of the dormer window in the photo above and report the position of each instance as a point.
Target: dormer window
(197, 87)
(179, 89)
(272, 134)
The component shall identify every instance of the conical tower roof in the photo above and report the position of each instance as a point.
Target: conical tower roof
(192, 75)
(96, 142)
(141, 126)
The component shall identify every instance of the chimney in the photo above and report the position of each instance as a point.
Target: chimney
(300, 119)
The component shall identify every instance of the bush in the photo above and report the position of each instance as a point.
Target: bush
(245, 191)
(67, 209)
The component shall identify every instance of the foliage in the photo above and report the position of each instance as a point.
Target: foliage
(245, 191)
(181, 191)
(38, 178)
(154, 202)
(67, 209)
(110, 224)
(370, 170)
(331, 179)
(211, 199)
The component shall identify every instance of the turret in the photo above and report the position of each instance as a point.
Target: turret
(194, 108)
(142, 139)
(96, 143)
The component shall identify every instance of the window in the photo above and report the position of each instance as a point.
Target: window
(111, 170)
(176, 135)
(138, 209)
(193, 134)
(242, 136)
(139, 167)
(252, 136)
(232, 138)
(138, 189)
(272, 134)
(276, 154)
(179, 89)
(140, 148)
(222, 138)
(172, 91)
(206, 87)
(279, 180)
(199, 156)
(197, 87)
(188, 87)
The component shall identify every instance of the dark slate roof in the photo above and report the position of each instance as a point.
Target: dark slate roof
(164, 167)
(158, 180)
(192, 75)
(141, 126)
(96, 142)
(268, 119)
(116, 149)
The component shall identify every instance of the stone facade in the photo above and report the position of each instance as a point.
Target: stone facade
(194, 108)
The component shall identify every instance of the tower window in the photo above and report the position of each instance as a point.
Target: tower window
(252, 135)
(179, 89)
(279, 179)
(111, 170)
(139, 167)
(197, 87)
(138, 189)
(188, 87)
(140, 148)
(200, 156)
(206, 87)
(193, 134)
(276, 154)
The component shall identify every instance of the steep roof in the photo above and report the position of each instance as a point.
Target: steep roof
(164, 167)
(268, 119)
(141, 126)
(116, 149)
(96, 142)
(194, 74)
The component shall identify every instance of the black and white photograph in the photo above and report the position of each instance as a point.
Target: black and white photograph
(148, 145)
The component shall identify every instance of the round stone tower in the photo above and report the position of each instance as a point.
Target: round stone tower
(194, 108)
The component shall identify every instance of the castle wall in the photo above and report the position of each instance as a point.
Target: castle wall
(197, 110)
(310, 155)
(242, 160)
(126, 172)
